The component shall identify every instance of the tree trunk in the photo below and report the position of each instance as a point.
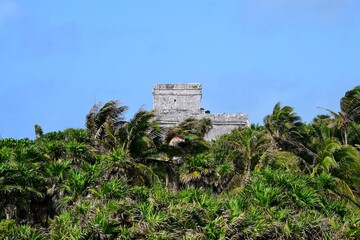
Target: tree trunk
(345, 137)
(9, 211)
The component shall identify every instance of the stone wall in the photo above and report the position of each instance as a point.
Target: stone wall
(174, 103)
(225, 123)
(178, 97)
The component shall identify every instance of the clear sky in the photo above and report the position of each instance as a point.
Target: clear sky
(58, 57)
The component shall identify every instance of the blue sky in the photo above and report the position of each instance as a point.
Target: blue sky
(58, 57)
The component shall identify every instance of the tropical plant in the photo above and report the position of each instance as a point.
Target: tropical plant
(189, 136)
(139, 136)
(251, 145)
(130, 180)
(20, 185)
(283, 126)
(102, 117)
(38, 131)
(349, 113)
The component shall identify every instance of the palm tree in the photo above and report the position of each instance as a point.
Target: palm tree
(287, 132)
(119, 164)
(102, 116)
(350, 104)
(188, 137)
(283, 126)
(139, 136)
(197, 171)
(52, 145)
(107, 127)
(251, 144)
(340, 161)
(21, 185)
(276, 159)
(181, 143)
(347, 171)
(340, 122)
(349, 113)
(38, 131)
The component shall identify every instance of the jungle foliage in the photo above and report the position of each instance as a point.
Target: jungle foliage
(120, 179)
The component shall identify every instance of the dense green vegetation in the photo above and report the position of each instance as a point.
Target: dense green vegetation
(121, 179)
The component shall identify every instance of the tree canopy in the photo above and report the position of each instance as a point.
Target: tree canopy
(118, 179)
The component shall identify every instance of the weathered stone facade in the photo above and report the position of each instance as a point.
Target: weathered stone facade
(173, 103)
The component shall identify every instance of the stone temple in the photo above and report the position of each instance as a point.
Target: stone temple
(173, 103)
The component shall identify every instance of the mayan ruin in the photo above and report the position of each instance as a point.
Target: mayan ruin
(173, 103)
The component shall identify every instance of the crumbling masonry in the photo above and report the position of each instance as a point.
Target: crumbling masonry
(173, 103)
